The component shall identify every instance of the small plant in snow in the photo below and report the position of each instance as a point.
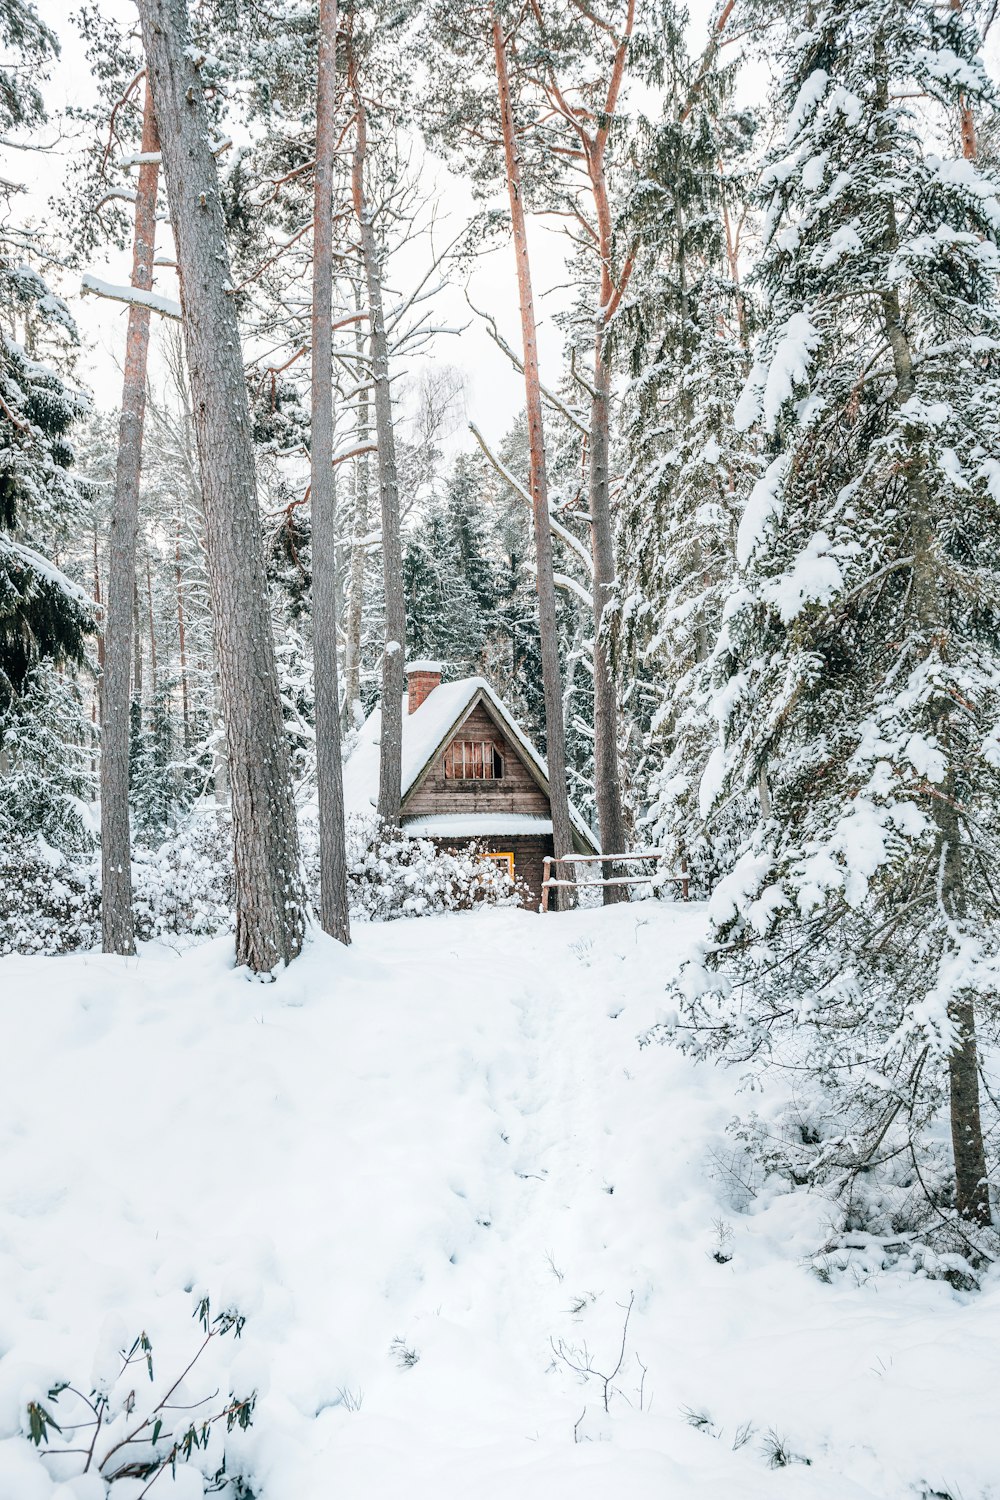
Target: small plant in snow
(583, 949)
(404, 1356)
(723, 1252)
(550, 1261)
(702, 1422)
(128, 1439)
(699, 1420)
(778, 1454)
(579, 1359)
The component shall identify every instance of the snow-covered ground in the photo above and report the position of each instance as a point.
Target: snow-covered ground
(432, 1171)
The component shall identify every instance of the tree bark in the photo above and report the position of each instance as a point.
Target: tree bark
(966, 119)
(359, 554)
(117, 925)
(394, 654)
(270, 900)
(94, 715)
(555, 732)
(181, 635)
(334, 916)
(137, 650)
(152, 630)
(607, 774)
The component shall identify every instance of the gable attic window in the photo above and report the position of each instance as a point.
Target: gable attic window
(473, 760)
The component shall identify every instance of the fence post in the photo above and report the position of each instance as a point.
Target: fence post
(546, 876)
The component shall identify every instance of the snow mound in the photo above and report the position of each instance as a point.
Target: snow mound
(453, 1196)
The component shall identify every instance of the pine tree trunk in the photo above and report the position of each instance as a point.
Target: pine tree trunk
(971, 1196)
(607, 774)
(152, 631)
(334, 917)
(117, 925)
(967, 120)
(555, 732)
(220, 761)
(100, 658)
(356, 582)
(181, 635)
(270, 900)
(137, 652)
(393, 658)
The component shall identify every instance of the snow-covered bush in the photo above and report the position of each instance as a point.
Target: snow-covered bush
(185, 887)
(137, 1425)
(51, 904)
(391, 876)
(184, 890)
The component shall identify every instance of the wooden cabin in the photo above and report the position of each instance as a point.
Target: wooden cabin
(469, 775)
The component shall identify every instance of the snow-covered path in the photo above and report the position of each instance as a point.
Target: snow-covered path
(447, 1141)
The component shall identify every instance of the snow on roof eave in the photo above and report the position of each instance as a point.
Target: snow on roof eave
(477, 825)
(479, 689)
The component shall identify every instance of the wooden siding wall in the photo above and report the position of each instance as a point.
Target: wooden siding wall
(517, 791)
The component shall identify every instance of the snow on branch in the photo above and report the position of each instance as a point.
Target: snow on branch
(125, 195)
(155, 158)
(140, 159)
(570, 585)
(48, 571)
(165, 306)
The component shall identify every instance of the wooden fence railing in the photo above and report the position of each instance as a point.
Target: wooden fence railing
(551, 883)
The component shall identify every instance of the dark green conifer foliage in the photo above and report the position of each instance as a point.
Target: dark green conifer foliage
(42, 615)
(684, 329)
(156, 788)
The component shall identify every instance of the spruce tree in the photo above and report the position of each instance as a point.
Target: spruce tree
(43, 616)
(684, 329)
(860, 652)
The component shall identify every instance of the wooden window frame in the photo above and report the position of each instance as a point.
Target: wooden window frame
(466, 760)
(498, 855)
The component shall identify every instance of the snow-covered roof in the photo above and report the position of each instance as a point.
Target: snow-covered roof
(424, 733)
(472, 825)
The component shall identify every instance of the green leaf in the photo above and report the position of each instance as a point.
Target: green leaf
(39, 1422)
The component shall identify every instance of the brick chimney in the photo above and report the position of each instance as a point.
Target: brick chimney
(422, 677)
